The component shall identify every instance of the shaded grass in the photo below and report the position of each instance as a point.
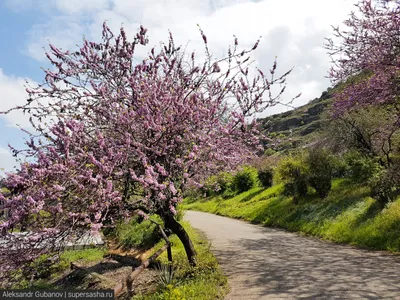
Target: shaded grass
(84, 256)
(205, 281)
(134, 234)
(347, 215)
(55, 270)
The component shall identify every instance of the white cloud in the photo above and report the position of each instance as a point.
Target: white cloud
(13, 94)
(292, 30)
(80, 6)
(7, 161)
(63, 31)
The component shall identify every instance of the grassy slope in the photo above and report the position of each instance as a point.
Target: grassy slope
(347, 215)
(205, 282)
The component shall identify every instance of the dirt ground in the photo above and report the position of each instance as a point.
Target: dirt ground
(112, 269)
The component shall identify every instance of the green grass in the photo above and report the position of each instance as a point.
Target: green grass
(66, 258)
(137, 235)
(84, 256)
(205, 282)
(347, 215)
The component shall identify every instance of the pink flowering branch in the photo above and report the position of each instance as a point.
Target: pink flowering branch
(370, 49)
(125, 136)
(366, 60)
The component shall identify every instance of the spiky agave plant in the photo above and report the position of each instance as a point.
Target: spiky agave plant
(166, 274)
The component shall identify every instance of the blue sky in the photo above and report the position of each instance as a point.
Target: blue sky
(294, 33)
(14, 29)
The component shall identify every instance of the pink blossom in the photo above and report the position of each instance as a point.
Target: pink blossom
(96, 227)
(58, 188)
(162, 171)
(145, 216)
(172, 209)
(97, 216)
(172, 188)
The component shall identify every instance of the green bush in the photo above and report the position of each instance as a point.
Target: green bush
(217, 184)
(42, 267)
(339, 167)
(192, 192)
(320, 169)
(210, 186)
(385, 187)
(224, 180)
(245, 179)
(265, 176)
(361, 168)
(293, 172)
(269, 152)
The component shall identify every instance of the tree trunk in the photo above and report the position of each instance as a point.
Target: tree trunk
(178, 229)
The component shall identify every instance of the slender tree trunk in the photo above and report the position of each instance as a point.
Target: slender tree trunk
(178, 229)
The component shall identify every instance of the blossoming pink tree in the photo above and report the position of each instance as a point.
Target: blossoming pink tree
(370, 48)
(127, 136)
(367, 57)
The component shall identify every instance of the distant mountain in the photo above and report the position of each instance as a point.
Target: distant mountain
(297, 127)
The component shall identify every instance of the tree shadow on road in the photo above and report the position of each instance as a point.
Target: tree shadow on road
(286, 266)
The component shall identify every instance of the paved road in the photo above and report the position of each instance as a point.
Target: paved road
(265, 263)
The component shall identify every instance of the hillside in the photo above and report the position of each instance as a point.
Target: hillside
(298, 127)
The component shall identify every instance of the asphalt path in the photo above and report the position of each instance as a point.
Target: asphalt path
(268, 263)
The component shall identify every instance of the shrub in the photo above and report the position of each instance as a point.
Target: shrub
(210, 186)
(245, 179)
(361, 168)
(217, 184)
(265, 176)
(320, 168)
(224, 180)
(192, 192)
(269, 152)
(42, 267)
(292, 171)
(385, 187)
(339, 167)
